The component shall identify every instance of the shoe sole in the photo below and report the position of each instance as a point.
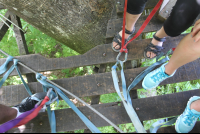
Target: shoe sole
(176, 127)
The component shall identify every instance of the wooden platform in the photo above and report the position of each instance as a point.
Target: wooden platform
(96, 84)
(149, 108)
(101, 54)
(101, 83)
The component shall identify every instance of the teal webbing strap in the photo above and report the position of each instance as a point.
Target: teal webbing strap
(25, 85)
(87, 122)
(126, 99)
(129, 108)
(145, 72)
(51, 114)
(3, 67)
(6, 75)
(160, 123)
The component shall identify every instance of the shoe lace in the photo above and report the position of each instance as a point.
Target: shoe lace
(190, 117)
(159, 76)
(28, 104)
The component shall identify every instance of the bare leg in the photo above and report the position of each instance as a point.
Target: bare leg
(195, 105)
(130, 23)
(161, 34)
(187, 51)
(7, 113)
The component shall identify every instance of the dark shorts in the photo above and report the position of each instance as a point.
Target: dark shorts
(181, 18)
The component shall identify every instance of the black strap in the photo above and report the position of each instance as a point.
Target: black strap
(152, 48)
(159, 39)
(130, 32)
(117, 39)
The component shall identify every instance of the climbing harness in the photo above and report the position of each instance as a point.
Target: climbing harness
(50, 96)
(125, 96)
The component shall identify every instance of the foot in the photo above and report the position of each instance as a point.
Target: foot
(154, 48)
(186, 121)
(29, 103)
(154, 78)
(116, 44)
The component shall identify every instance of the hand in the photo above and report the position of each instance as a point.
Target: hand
(196, 31)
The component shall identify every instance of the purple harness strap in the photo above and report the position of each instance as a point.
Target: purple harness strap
(12, 123)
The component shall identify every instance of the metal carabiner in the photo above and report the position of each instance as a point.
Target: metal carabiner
(126, 57)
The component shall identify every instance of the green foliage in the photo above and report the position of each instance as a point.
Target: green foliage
(107, 129)
(62, 105)
(108, 98)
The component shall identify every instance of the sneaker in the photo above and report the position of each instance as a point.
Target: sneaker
(29, 103)
(186, 121)
(154, 78)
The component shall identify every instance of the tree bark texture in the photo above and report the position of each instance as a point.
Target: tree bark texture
(78, 24)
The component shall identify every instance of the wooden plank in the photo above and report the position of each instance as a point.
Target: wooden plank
(120, 5)
(166, 10)
(21, 42)
(149, 108)
(133, 93)
(95, 99)
(98, 84)
(3, 26)
(19, 35)
(103, 54)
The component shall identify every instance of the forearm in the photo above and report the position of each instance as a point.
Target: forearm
(7, 113)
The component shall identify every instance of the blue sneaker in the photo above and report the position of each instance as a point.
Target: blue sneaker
(154, 78)
(187, 120)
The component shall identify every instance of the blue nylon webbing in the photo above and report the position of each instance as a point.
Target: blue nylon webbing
(129, 108)
(88, 123)
(51, 114)
(3, 67)
(25, 85)
(160, 123)
(126, 99)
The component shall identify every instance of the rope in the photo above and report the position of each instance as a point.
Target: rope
(10, 22)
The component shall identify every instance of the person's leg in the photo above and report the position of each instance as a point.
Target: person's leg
(187, 50)
(7, 113)
(134, 11)
(181, 18)
(195, 105)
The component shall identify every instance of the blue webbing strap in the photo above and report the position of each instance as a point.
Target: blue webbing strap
(126, 99)
(25, 85)
(129, 108)
(3, 67)
(51, 114)
(160, 123)
(88, 123)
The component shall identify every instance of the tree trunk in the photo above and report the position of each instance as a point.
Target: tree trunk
(78, 24)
